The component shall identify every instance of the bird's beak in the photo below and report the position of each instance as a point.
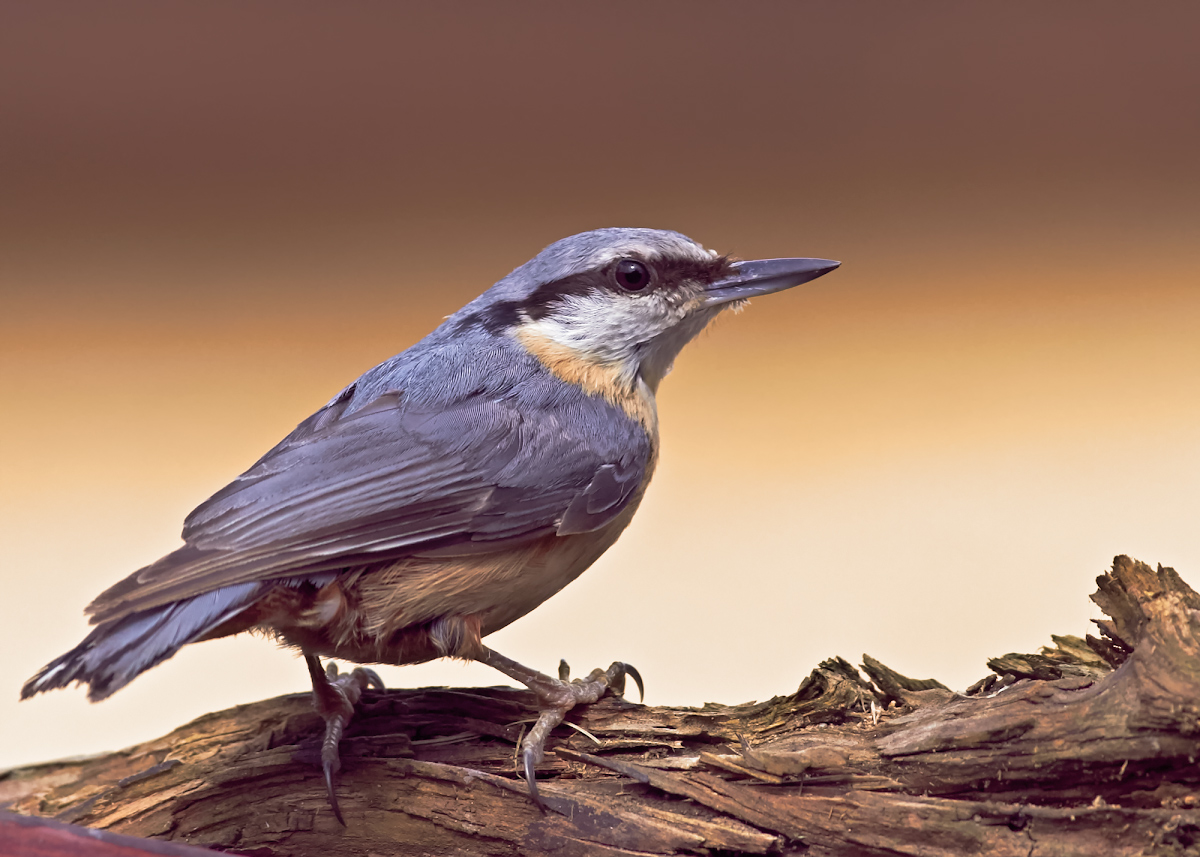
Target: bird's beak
(763, 276)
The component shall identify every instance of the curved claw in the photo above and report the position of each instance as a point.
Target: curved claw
(333, 801)
(631, 671)
(616, 678)
(369, 678)
(331, 763)
(529, 764)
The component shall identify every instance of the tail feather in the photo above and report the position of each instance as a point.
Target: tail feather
(115, 653)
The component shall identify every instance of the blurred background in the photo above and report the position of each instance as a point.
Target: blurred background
(215, 216)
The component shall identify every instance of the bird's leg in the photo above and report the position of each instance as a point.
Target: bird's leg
(334, 698)
(556, 696)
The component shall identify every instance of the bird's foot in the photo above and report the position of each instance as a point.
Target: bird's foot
(557, 696)
(334, 697)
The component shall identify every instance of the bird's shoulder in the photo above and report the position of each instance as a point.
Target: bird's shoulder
(476, 425)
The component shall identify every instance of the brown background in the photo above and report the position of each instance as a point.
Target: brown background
(214, 217)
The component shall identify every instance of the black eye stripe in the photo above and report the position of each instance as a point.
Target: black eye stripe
(541, 302)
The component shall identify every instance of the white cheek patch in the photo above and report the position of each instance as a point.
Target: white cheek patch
(639, 337)
(605, 327)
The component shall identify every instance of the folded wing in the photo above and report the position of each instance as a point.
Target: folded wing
(387, 480)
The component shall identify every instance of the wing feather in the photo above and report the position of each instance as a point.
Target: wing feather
(390, 479)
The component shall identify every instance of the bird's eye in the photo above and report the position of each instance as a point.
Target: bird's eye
(632, 275)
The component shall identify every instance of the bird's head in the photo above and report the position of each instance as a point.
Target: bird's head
(620, 304)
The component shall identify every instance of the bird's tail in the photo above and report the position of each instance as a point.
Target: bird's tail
(116, 652)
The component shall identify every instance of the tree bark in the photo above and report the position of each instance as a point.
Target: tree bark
(1088, 747)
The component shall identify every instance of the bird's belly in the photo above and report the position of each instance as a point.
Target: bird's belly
(405, 611)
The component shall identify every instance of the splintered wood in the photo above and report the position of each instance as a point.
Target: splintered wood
(1087, 747)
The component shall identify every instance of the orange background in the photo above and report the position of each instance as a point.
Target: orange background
(214, 217)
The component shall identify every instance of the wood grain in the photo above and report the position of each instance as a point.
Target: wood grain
(1087, 747)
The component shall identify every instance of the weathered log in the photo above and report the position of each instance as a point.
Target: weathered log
(1088, 747)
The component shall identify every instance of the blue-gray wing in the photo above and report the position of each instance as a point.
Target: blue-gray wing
(393, 478)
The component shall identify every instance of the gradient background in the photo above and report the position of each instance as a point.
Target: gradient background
(216, 216)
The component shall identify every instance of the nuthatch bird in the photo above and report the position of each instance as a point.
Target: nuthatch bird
(448, 491)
